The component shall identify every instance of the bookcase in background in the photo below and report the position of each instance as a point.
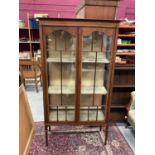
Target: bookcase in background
(124, 76)
(29, 42)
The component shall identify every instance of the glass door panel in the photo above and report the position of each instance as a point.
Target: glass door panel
(96, 47)
(61, 59)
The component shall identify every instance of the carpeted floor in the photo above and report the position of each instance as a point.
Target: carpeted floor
(79, 140)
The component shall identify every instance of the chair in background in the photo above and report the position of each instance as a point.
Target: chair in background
(130, 117)
(30, 69)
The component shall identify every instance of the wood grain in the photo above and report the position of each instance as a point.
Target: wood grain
(26, 123)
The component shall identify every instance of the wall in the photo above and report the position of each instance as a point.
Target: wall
(66, 8)
(126, 9)
(55, 8)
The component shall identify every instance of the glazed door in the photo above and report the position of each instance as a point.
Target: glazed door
(61, 43)
(96, 46)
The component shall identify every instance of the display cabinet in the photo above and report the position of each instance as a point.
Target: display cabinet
(78, 60)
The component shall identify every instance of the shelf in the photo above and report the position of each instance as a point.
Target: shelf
(27, 28)
(126, 27)
(65, 90)
(34, 29)
(24, 42)
(91, 60)
(126, 53)
(125, 45)
(125, 67)
(28, 42)
(68, 114)
(20, 59)
(123, 86)
(121, 63)
(35, 42)
(118, 106)
(64, 60)
(71, 90)
(126, 35)
(24, 28)
(72, 59)
(98, 90)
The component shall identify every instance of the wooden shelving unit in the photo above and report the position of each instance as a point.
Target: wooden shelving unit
(28, 41)
(124, 76)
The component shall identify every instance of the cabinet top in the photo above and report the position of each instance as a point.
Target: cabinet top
(77, 22)
(79, 19)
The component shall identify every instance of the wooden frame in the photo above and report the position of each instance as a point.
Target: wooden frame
(78, 28)
(26, 123)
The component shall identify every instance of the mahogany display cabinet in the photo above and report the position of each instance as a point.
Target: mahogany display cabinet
(78, 64)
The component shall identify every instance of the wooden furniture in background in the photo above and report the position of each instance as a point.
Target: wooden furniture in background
(30, 69)
(130, 117)
(29, 42)
(77, 69)
(26, 123)
(99, 9)
(124, 76)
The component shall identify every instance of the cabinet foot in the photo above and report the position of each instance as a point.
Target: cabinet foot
(46, 135)
(106, 134)
(49, 128)
(100, 128)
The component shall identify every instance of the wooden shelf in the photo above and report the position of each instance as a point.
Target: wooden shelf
(34, 29)
(126, 35)
(35, 42)
(71, 90)
(125, 45)
(123, 86)
(29, 42)
(125, 67)
(27, 28)
(24, 28)
(118, 106)
(126, 53)
(126, 27)
(24, 42)
(121, 63)
(20, 59)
